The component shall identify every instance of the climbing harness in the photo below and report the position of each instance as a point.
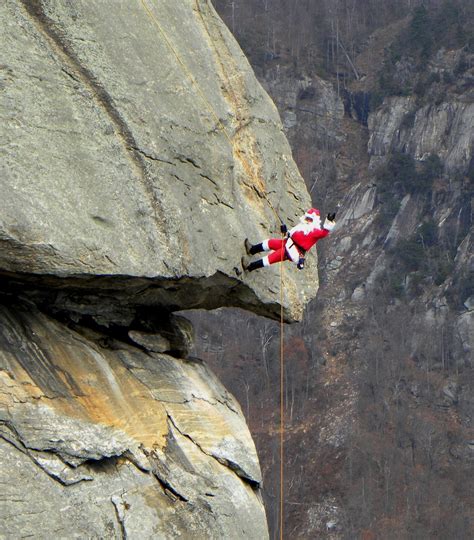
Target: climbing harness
(260, 189)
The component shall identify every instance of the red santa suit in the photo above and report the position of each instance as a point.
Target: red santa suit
(301, 239)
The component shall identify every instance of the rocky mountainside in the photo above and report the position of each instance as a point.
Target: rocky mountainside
(147, 152)
(379, 375)
(138, 151)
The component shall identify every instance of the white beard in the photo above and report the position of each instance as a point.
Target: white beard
(306, 227)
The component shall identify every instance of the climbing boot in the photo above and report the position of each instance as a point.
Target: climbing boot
(252, 250)
(248, 246)
(251, 266)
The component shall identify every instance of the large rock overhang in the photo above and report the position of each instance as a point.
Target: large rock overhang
(138, 155)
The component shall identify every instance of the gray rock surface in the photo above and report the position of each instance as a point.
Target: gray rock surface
(120, 442)
(310, 97)
(138, 151)
(444, 129)
(137, 142)
(152, 342)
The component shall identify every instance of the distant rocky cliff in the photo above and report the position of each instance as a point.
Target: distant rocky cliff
(138, 151)
(378, 107)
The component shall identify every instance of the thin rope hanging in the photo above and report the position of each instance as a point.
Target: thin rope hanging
(282, 389)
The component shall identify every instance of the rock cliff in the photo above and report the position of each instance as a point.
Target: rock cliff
(110, 440)
(141, 148)
(138, 151)
(380, 374)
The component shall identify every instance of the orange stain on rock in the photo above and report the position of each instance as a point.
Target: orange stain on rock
(87, 384)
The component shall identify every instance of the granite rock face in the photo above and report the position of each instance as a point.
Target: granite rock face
(138, 143)
(444, 129)
(121, 442)
(138, 151)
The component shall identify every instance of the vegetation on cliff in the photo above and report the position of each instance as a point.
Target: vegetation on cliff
(380, 374)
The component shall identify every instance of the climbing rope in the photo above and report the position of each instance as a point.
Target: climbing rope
(282, 388)
(262, 192)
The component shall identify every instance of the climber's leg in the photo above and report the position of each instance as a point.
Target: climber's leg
(267, 245)
(250, 267)
(274, 244)
(276, 256)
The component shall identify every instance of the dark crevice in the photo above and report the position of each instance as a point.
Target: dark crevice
(119, 515)
(115, 299)
(71, 75)
(35, 455)
(104, 464)
(210, 179)
(14, 439)
(188, 160)
(221, 401)
(169, 490)
(235, 467)
(153, 158)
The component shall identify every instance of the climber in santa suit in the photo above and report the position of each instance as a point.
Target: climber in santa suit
(294, 246)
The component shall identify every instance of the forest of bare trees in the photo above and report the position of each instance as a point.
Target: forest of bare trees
(323, 36)
(378, 404)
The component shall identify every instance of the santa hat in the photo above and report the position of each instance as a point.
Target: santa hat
(312, 214)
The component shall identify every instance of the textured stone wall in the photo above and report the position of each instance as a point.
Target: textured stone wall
(138, 151)
(137, 142)
(107, 440)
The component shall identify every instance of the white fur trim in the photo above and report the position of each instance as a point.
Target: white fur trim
(265, 245)
(265, 261)
(329, 225)
(312, 215)
(305, 227)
